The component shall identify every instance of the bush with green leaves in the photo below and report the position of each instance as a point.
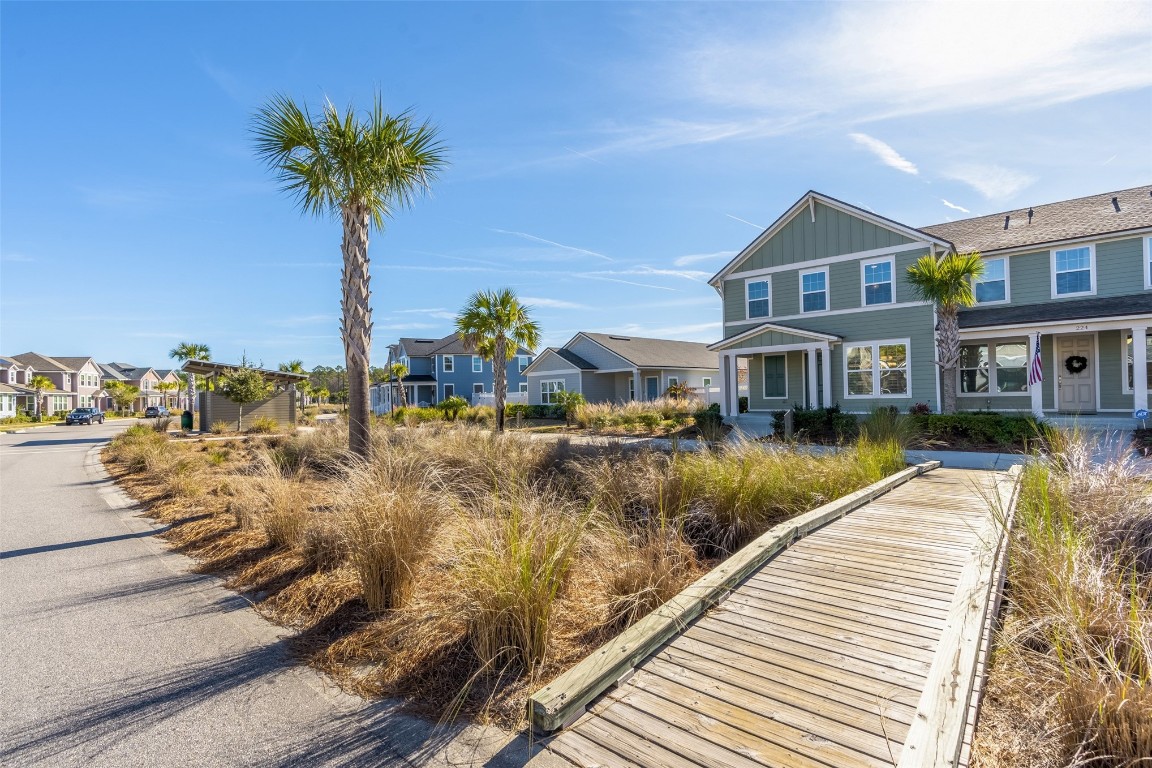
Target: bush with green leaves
(263, 425)
(817, 424)
(570, 402)
(980, 428)
(452, 407)
(244, 386)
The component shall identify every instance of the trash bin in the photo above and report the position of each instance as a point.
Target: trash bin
(186, 420)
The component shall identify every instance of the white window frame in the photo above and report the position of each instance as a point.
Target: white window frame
(477, 364)
(449, 391)
(764, 379)
(522, 362)
(827, 290)
(1007, 283)
(707, 382)
(546, 391)
(672, 382)
(875, 345)
(891, 262)
(767, 280)
(477, 387)
(994, 369)
(1091, 270)
(1148, 263)
(448, 364)
(524, 387)
(1124, 336)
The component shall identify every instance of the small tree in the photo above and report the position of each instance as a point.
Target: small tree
(242, 386)
(41, 384)
(570, 402)
(123, 395)
(322, 396)
(166, 387)
(398, 371)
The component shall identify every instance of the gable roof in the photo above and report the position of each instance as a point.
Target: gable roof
(74, 363)
(1081, 217)
(38, 362)
(778, 328)
(128, 371)
(566, 355)
(8, 362)
(810, 198)
(656, 353)
(413, 347)
(107, 371)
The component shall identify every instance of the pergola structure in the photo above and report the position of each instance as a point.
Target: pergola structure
(212, 370)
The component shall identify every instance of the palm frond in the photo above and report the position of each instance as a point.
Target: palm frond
(946, 281)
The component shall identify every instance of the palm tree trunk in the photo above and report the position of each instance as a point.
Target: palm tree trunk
(500, 379)
(356, 324)
(948, 349)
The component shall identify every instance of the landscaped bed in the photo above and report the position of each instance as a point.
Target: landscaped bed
(461, 569)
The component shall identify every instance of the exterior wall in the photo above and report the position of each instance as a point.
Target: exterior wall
(84, 393)
(420, 365)
(571, 379)
(1119, 272)
(834, 233)
(549, 362)
(597, 355)
(795, 366)
(463, 378)
(7, 405)
(598, 387)
(214, 408)
(1113, 371)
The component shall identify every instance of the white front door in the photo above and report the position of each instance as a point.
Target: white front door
(1076, 388)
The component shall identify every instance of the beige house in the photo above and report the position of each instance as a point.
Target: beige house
(77, 380)
(143, 378)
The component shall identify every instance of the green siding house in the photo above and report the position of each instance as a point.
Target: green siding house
(820, 308)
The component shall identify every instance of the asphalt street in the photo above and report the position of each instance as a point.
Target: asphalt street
(113, 653)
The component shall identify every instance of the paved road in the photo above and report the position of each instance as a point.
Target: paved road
(112, 653)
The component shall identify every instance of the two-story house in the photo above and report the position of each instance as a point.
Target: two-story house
(443, 368)
(144, 379)
(614, 368)
(17, 396)
(76, 380)
(820, 306)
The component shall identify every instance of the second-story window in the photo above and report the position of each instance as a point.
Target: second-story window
(449, 364)
(759, 298)
(477, 364)
(992, 285)
(522, 362)
(1073, 272)
(877, 279)
(814, 291)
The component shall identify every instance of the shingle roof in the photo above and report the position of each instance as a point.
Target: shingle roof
(571, 357)
(419, 347)
(658, 353)
(108, 372)
(129, 371)
(454, 345)
(38, 362)
(74, 363)
(7, 362)
(1052, 222)
(1054, 311)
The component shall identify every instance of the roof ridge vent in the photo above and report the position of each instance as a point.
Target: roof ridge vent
(1030, 212)
(1116, 204)
(1006, 220)
(620, 338)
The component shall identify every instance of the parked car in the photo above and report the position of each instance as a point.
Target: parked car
(84, 416)
(155, 410)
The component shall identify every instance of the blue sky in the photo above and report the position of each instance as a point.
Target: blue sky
(606, 158)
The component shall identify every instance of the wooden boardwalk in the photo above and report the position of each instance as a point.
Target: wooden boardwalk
(825, 657)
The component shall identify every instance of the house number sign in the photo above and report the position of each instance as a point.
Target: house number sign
(1083, 327)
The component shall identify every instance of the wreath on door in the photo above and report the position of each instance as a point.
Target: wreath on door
(1076, 364)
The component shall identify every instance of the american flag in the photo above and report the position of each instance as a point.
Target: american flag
(1036, 370)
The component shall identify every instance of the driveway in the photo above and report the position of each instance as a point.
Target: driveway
(113, 653)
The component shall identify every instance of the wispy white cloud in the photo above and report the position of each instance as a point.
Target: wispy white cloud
(670, 133)
(687, 332)
(585, 156)
(686, 274)
(993, 181)
(885, 153)
(696, 258)
(226, 81)
(744, 221)
(589, 276)
(954, 207)
(537, 301)
(573, 249)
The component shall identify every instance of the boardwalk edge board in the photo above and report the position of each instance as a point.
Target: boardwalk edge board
(561, 702)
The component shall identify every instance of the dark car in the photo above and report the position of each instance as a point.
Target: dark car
(156, 410)
(85, 416)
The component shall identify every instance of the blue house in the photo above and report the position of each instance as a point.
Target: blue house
(446, 367)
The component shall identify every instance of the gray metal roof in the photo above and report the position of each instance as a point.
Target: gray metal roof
(207, 368)
(658, 353)
(1055, 311)
(1051, 222)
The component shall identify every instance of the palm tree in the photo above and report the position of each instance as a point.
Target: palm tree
(398, 371)
(166, 387)
(363, 169)
(487, 324)
(947, 283)
(302, 387)
(184, 352)
(40, 385)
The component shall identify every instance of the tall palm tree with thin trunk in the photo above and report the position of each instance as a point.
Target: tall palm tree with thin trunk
(397, 372)
(362, 169)
(947, 283)
(40, 385)
(495, 324)
(184, 352)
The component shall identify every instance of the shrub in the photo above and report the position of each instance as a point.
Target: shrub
(710, 422)
(162, 424)
(480, 414)
(452, 407)
(743, 403)
(818, 424)
(263, 425)
(920, 409)
(570, 403)
(980, 428)
(322, 451)
(649, 420)
(888, 424)
(220, 427)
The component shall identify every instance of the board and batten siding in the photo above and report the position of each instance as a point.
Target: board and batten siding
(549, 361)
(215, 407)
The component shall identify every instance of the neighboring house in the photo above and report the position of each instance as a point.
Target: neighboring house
(611, 368)
(143, 378)
(77, 380)
(443, 368)
(820, 306)
(8, 396)
(173, 398)
(17, 376)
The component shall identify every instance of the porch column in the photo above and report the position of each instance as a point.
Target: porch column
(813, 400)
(733, 382)
(1140, 368)
(1036, 391)
(826, 366)
(636, 390)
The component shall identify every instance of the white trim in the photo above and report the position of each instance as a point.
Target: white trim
(891, 261)
(875, 345)
(829, 260)
(827, 290)
(746, 351)
(765, 327)
(648, 379)
(549, 351)
(477, 384)
(706, 382)
(474, 359)
(767, 280)
(923, 238)
(562, 388)
(1147, 263)
(1007, 283)
(668, 381)
(1124, 388)
(1091, 271)
(1076, 325)
(871, 308)
(444, 390)
(764, 379)
(523, 388)
(993, 376)
(1105, 237)
(445, 359)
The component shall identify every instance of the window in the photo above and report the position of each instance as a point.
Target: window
(759, 297)
(1011, 366)
(814, 291)
(1129, 376)
(775, 377)
(877, 282)
(1148, 262)
(993, 284)
(1073, 272)
(449, 364)
(975, 369)
(673, 381)
(449, 389)
(632, 388)
(548, 389)
(522, 362)
(478, 389)
(477, 364)
(707, 382)
(879, 369)
(524, 387)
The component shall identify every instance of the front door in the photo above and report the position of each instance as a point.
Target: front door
(1076, 374)
(653, 385)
